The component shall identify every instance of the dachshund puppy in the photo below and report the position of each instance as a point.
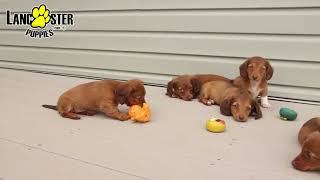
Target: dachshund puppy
(104, 96)
(232, 100)
(254, 74)
(309, 138)
(187, 87)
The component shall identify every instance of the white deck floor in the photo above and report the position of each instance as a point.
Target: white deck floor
(37, 144)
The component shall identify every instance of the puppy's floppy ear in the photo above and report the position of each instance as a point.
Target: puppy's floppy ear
(196, 86)
(122, 91)
(269, 71)
(170, 88)
(255, 110)
(244, 69)
(225, 106)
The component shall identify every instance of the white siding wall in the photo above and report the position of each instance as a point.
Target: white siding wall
(153, 40)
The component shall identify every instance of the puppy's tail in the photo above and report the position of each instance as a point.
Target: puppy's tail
(50, 106)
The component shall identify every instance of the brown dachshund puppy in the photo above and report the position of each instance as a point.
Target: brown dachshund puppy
(187, 87)
(309, 138)
(232, 100)
(254, 74)
(104, 96)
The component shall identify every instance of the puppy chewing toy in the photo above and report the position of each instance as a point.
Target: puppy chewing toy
(140, 114)
(216, 125)
(288, 114)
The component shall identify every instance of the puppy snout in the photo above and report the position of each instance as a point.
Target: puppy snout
(299, 165)
(294, 163)
(241, 118)
(187, 97)
(254, 77)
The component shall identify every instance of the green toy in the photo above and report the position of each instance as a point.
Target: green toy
(288, 114)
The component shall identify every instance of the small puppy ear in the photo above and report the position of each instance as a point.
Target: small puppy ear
(244, 69)
(122, 91)
(269, 70)
(225, 107)
(256, 111)
(170, 88)
(196, 86)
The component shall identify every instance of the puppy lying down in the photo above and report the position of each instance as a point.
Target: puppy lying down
(309, 138)
(187, 87)
(232, 100)
(104, 96)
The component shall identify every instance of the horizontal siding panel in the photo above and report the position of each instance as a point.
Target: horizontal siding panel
(160, 64)
(275, 90)
(300, 48)
(230, 21)
(81, 5)
(153, 40)
(302, 93)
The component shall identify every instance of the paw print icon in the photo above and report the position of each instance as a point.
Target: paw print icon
(41, 16)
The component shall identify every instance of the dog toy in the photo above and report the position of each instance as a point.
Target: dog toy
(216, 125)
(287, 114)
(140, 114)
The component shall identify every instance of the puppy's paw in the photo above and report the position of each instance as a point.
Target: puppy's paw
(123, 117)
(75, 118)
(265, 104)
(171, 95)
(209, 102)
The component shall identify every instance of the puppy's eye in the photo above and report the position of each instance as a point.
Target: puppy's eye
(264, 67)
(250, 66)
(249, 108)
(181, 90)
(138, 97)
(235, 104)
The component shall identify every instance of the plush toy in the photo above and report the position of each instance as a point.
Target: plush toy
(288, 114)
(216, 125)
(140, 114)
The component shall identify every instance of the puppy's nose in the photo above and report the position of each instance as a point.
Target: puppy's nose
(241, 117)
(255, 77)
(294, 163)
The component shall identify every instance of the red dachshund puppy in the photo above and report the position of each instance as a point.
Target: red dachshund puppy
(309, 138)
(104, 95)
(233, 101)
(254, 74)
(187, 87)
